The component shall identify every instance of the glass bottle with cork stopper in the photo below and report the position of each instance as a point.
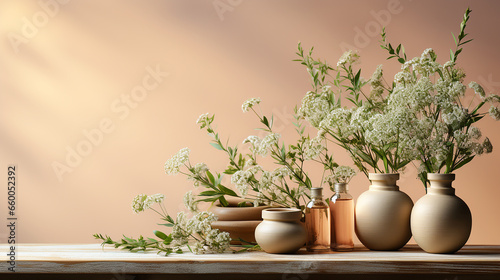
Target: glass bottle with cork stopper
(342, 218)
(317, 222)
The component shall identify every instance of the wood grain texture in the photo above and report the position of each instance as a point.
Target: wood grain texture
(92, 258)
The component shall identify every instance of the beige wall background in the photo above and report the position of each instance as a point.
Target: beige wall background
(71, 68)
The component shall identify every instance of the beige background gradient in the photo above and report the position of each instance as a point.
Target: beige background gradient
(70, 68)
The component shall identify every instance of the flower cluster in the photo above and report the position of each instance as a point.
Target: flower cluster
(142, 201)
(437, 129)
(342, 174)
(172, 166)
(262, 146)
(247, 105)
(349, 57)
(204, 120)
(208, 240)
(197, 172)
(190, 202)
(195, 233)
(424, 115)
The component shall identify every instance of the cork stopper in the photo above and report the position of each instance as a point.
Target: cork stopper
(316, 192)
(341, 187)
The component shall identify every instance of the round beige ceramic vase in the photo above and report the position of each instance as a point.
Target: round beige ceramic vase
(281, 231)
(382, 214)
(441, 222)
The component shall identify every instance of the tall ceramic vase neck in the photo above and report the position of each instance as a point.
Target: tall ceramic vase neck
(440, 183)
(383, 181)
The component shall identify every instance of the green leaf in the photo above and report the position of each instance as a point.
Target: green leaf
(402, 164)
(210, 199)
(169, 219)
(449, 158)
(463, 43)
(366, 158)
(209, 193)
(308, 182)
(230, 171)
(218, 180)
(152, 240)
(243, 204)
(217, 146)
(227, 190)
(401, 60)
(356, 78)
(210, 177)
(463, 162)
(223, 201)
(265, 121)
(160, 234)
(167, 225)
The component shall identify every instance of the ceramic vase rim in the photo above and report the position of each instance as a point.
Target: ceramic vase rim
(282, 214)
(440, 176)
(382, 176)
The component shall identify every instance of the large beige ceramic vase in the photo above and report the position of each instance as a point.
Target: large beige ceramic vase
(440, 221)
(382, 214)
(281, 231)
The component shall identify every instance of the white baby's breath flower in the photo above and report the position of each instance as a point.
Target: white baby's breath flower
(240, 179)
(313, 147)
(492, 98)
(172, 165)
(478, 89)
(255, 142)
(248, 104)
(474, 132)
(403, 77)
(455, 116)
(267, 143)
(494, 113)
(254, 169)
(338, 121)
(349, 57)
(249, 163)
(142, 202)
(197, 172)
(314, 108)
(155, 198)
(201, 222)
(265, 181)
(449, 64)
(279, 173)
(427, 54)
(138, 203)
(190, 202)
(341, 174)
(204, 120)
(376, 79)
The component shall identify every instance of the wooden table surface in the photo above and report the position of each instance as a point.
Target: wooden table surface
(482, 262)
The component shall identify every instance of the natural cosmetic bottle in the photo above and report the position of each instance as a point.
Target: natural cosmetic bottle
(342, 219)
(317, 222)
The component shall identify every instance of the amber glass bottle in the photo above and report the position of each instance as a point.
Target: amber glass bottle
(342, 219)
(317, 222)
